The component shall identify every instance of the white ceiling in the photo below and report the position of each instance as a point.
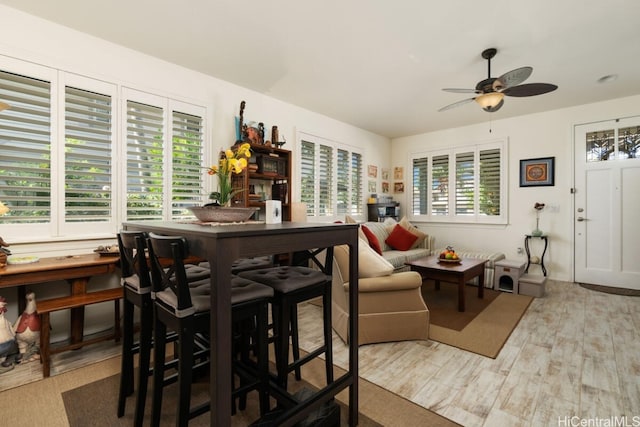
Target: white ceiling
(379, 64)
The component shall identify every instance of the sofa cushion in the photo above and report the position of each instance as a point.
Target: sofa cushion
(370, 264)
(420, 236)
(372, 239)
(400, 238)
(350, 220)
(398, 258)
(380, 229)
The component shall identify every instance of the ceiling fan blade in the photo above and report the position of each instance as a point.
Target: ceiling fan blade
(454, 90)
(530, 89)
(456, 104)
(512, 78)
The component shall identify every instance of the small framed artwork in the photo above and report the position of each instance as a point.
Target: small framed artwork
(385, 174)
(372, 171)
(385, 186)
(398, 173)
(371, 187)
(398, 187)
(537, 172)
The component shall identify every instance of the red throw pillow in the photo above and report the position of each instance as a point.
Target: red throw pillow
(373, 240)
(400, 238)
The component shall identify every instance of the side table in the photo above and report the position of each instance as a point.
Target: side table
(528, 237)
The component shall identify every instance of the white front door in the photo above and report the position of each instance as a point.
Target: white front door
(607, 203)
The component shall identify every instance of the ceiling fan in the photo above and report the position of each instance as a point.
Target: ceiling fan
(491, 91)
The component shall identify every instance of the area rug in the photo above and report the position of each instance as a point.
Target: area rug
(611, 290)
(485, 325)
(94, 404)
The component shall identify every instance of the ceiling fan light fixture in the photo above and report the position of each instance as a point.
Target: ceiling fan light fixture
(488, 101)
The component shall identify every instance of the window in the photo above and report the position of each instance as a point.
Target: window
(88, 155)
(25, 148)
(479, 188)
(602, 146)
(165, 152)
(331, 178)
(60, 168)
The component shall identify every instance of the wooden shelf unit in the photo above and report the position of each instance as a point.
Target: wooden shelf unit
(271, 180)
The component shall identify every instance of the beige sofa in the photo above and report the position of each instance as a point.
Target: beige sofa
(398, 258)
(391, 307)
(381, 230)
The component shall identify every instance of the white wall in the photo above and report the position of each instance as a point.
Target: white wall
(43, 42)
(32, 39)
(547, 134)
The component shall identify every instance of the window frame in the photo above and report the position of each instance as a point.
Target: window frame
(452, 216)
(357, 209)
(55, 228)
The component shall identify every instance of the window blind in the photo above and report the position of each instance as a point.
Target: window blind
(325, 181)
(356, 184)
(342, 175)
(419, 196)
(25, 157)
(331, 178)
(88, 152)
(187, 170)
(440, 185)
(308, 176)
(489, 188)
(145, 154)
(465, 184)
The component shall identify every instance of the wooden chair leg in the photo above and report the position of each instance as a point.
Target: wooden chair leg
(45, 355)
(328, 335)
(146, 330)
(126, 366)
(159, 354)
(295, 342)
(185, 375)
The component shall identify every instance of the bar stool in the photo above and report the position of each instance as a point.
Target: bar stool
(244, 264)
(136, 282)
(293, 285)
(185, 308)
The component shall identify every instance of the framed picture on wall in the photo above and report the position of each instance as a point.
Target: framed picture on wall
(537, 172)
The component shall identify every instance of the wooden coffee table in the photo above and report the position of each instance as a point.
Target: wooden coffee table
(460, 273)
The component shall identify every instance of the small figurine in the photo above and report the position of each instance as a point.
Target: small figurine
(4, 252)
(8, 345)
(27, 330)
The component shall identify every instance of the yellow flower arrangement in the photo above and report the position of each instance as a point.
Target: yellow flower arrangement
(230, 162)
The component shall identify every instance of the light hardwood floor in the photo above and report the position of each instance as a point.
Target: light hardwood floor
(574, 353)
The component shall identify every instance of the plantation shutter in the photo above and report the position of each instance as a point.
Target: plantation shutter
(145, 151)
(420, 198)
(25, 156)
(325, 181)
(465, 185)
(88, 153)
(343, 182)
(187, 158)
(489, 188)
(308, 176)
(356, 184)
(440, 185)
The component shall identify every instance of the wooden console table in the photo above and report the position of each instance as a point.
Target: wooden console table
(75, 269)
(221, 245)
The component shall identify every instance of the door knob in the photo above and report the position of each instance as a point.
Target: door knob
(580, 219)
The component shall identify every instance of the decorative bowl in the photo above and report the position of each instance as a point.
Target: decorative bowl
(450, 261)
(222, 213)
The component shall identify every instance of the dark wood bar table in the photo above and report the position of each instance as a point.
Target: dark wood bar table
(221, 245)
